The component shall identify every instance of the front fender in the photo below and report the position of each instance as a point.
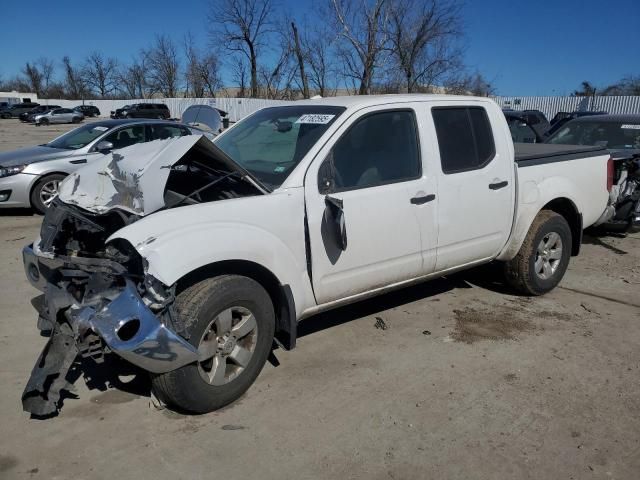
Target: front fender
(267, 230)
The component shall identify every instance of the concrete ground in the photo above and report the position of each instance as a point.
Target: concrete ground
(453, 379)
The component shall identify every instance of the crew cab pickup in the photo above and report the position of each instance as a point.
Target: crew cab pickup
(188, 258)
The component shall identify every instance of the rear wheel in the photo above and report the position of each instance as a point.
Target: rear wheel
(543, 257)
(230, 320)
(44, 191)
(75, 120)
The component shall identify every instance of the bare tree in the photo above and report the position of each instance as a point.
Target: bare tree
(629, 85)
(132, 79)
(300, 58)
(163, 66)
(240, 77)
(318, 46)
(242, 26)
(33, 77)
(423, 36)
(100, 74)
(470, 84)
(360, 23)
(586, 90)
(73, 81)
(202, 73)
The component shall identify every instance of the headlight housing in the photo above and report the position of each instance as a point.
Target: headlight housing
(14, 170)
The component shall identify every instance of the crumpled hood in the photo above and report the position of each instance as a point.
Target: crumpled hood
(132, 178)
(29, 155)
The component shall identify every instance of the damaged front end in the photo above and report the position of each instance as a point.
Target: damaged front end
(98, 294)
(98, 299)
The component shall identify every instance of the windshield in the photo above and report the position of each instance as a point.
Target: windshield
(78, 138)
(611, 135)
(270, 143)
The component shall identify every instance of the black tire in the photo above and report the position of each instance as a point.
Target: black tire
(75, 120)
(521, 272)
(128, 116)
(36, 198)
(196, 307)
(44, 121)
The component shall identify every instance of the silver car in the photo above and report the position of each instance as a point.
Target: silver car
(59, 115)
(29, 177)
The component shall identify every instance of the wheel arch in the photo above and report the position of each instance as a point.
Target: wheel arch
(40, 176)
(281, 295)
(565, 207)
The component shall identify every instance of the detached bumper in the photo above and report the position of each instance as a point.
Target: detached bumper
(115, 319)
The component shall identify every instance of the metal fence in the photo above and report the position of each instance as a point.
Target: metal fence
(237, 107)
(241, 107)
(552, 105)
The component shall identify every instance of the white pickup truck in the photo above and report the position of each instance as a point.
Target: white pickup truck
(188, 258)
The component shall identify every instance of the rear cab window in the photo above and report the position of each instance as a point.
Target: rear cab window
(465, 138)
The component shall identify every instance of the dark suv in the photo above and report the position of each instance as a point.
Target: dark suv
(88, 110)
(16, 109)
(143, 110)
(30, 114)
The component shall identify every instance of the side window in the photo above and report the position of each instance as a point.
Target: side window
(465, 138)
(127, 136)
(163, 132)
(378, 149)
(532, 118)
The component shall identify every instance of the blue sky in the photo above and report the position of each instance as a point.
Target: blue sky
(525, 47)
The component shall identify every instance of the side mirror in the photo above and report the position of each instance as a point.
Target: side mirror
(334, 215)
(104, 146)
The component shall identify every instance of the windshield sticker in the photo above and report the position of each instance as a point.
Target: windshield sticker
(631, 126)
(279, 169)
(315, 118)
(100, 128)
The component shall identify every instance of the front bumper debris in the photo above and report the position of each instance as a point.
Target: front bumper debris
(105, 317)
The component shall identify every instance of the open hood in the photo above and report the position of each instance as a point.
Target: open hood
(204, 117)
(134, 178)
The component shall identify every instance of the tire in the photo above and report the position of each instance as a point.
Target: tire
(540, 264)
(42, 192)
(199, 309)
(75, 120)
(44, 121)
(128, 116)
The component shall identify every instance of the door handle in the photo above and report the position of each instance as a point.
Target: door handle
(76, 162)
(423, 199)
(499, 185)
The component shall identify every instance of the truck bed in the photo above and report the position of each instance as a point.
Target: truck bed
(529, 154)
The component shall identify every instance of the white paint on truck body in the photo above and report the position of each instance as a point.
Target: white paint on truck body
(391, 241)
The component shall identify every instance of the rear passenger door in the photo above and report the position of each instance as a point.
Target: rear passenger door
(475, 186)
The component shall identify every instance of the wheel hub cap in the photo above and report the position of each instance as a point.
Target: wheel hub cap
(548, 256)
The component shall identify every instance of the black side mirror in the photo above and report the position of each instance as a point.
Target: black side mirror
(334, 215)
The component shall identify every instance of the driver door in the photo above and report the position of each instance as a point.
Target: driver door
(372, 176)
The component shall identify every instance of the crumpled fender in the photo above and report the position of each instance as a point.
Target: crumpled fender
(264, 229)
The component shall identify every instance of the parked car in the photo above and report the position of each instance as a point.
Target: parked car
(562, 118)
(189, 260)
(58, 115)
(88, 110)
(142, 110)
(14, 111)
(521, 130)
(620, 134)
(29, 177)
(31, 114)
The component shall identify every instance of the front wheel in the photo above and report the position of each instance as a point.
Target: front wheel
(543, 257)
(44, 121)
(231, 321)
(44, 191)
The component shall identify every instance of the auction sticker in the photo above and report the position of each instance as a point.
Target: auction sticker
(631, 126)
(316, 118)
(100, 128)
